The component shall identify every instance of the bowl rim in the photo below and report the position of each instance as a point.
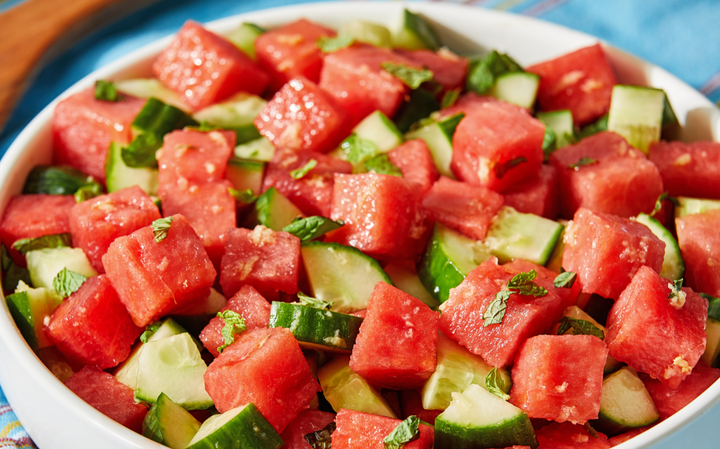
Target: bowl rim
(23, 357)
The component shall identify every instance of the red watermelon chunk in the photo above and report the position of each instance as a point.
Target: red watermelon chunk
(301, 116)
(699, 242)
(30, 216)
(152, 278)
(466, 208)
(265, 367)
(267, 260)
(357, 430)
(606, 251)
(414, 160)
(688, 169)
(312, 193)
(92, 327)
(623, 437)
(537, 196)
(411, 404)
(308, 421)
(448, 68)
(581, 81)
(669, 402)
(496, 145)
(618, 180)
(525, 316)
(569, 436)
(663, 341)
(105, 393)
(97, 222)
(291, 51)
(205, 68)
(397, 344)
(250, 305)
(559, 377)
(83, 128)
(382, 215)
(354, 77)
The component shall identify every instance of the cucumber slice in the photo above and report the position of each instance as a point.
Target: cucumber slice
(409, 282)
(712, 329)
(343, 388)
(380, 130)
(518, 88)
(554, 263)
(57, 180)
(45, 264)
(273, 210)
(673, 266)
(415, 33)
(421, 105)
(211, 305)
(243, 427)
(29, 307)
(151, 87)
(317, 328)
(439, 136)
(599, 125)
(368, 32)
(514, 235)
(259, 149)
(636, 113)
(244, 38)
(119, 175)
(236, 111)
(457, 368)
(341, 274)
(246, 174)
(477, 418)
(689, 206)
(625, 403)
(448, 258)
(483, 72)
(169, 424)
(173, 366)
(562, 125)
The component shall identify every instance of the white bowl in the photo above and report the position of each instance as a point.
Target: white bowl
(56, 418)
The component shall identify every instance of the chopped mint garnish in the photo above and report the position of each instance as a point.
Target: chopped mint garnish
(483, 72)
(331, 44)
(310, 228)
(149, 331)
(502, 169)
(449, 98)
(381, 164)
(565, 280)
(106, 91)
(579, 327)
(405, 432)
(160, 228)
(67, 282)
(677, 296)
(234, 324)
(321, 439)
(495, 384)
(410, 76)
(583, 162)
(522, 284)
(23, 246)
(86, 192)
(309, 301)
(140, 153)
(600, 125)
(204, 126)
(243, 196)
(549, 141)
(357, 149)
(658, 203)
(302, 171)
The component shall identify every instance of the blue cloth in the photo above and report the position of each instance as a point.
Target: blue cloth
(680, 35)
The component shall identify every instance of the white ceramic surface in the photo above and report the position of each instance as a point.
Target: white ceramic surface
(56, 418)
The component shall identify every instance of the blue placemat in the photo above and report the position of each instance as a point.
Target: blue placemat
(682, 36)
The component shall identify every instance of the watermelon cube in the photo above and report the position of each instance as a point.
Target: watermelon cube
(92, 327)
(30, 216)
(700, 245)
(205, 68)
(623, 437)
(688, 169)
(581, 81)
(605, 174)
(448, 69)
(265, 367)
(291, 51)
(559, 377)
(606, 251)
(397, 344)
(411, 404)
(312, 193)
(267, 260)
(668, 338)
(106, 394)
(355, 78)
(570, 436)
(382, 214)
(153, 278)
(83, 128)
(96, 222)
(357, 430)
(537, 196)
(496, 145)
(668, 401)
(308, 421)
(525, 316)
(414, 160)
(466, 208)
(249, 304)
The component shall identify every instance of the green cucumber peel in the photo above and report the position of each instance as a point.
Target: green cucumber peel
(23, 246)
(246, 196)
(57, 180)
(421, 29)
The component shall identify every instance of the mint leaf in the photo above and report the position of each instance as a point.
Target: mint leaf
(357, 149)
(483, 72)
(449, 98)
(677, 296)
(658, 203)
(495, 384)
(309, 301)
(160, 228)
(46, 241)
(381, 164)
(331, 44)
(310, 228)
(582, 162)
(549, 141)
(565, 280)
(302, 171)
(321, 439)
(410, 76)
(149, 331)
(502, 169)
(86, 192)
(140, 153)
(67, 282)
(405, 432)
(234, 324)
(579, 327)
(495, 311)
(106, 91)
(522, 284)
(243, 196)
